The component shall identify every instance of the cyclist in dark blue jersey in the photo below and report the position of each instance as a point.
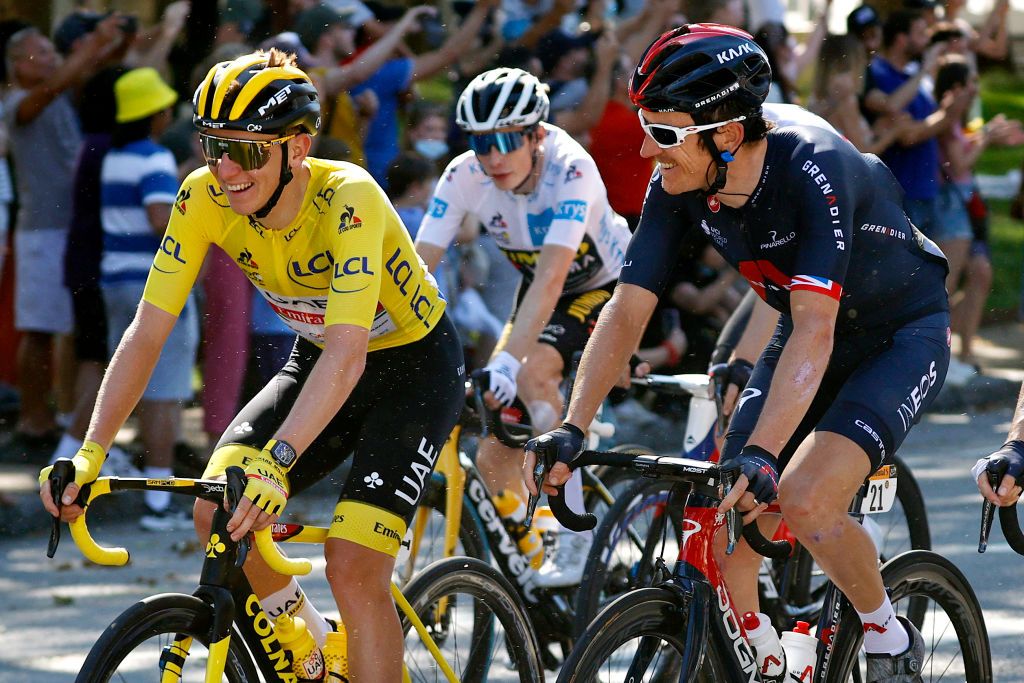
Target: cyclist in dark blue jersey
(862, 343)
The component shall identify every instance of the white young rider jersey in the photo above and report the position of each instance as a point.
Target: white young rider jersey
(569, 207)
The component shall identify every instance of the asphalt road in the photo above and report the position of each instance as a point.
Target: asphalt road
(53, 610)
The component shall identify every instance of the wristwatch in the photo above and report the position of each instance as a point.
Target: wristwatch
(282, 453)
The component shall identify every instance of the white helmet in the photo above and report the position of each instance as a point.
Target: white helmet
(500, 98)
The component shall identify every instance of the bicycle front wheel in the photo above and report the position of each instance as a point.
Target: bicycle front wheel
(477, 621)
(641, 636)
(956, 640)
(137, 644)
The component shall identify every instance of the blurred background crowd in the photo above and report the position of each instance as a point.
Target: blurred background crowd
(899, 78)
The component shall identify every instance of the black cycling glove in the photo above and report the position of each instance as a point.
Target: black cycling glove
(761, 468)
(1007, 460)
(558, 445)
(736, 373)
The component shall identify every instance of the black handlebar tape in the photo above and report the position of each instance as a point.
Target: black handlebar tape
(776, 550)
(566, 517)
(1011, 528)
(235, 488)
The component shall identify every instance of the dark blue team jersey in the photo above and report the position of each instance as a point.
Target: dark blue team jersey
(823, 218)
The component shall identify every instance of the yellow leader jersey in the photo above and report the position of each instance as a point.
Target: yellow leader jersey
(345, 259)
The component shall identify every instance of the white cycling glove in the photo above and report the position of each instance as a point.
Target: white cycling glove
(502, 371)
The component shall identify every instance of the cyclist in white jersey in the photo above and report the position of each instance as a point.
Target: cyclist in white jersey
(538, 193)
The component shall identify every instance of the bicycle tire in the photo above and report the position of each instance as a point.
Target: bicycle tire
(493, 600)
(643, 613)
(159, 615)
(601, 581)
(472, 538)
(924, 574)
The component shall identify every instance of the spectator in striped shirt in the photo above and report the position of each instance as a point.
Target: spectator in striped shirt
(139, 183)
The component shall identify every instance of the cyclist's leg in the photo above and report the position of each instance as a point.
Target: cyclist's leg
(884, 395)
(414, 394)
(255, 424)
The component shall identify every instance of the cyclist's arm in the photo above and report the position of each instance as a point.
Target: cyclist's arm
(123, 385)
(757, 333)
(1008, 492)
(443, 219)
(539, 301)
(329, 385)
(800, 369)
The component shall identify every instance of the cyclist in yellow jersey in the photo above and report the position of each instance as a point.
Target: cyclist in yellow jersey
(377, 367)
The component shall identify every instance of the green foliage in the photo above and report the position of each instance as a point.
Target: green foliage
(1006, 240)
(1002, 92)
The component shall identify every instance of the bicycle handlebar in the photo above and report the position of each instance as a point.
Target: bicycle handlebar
(64, 472)
(492, 422)
(1008, 521)
(696, 472)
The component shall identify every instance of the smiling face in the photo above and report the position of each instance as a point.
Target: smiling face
(685, 167)
(248, 191)
(510, 170)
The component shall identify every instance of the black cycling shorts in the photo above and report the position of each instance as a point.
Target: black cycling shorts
(875, 388)
(394, 423)
(572, 322)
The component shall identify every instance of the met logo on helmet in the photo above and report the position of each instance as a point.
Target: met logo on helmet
(277, 98)
(734, 53)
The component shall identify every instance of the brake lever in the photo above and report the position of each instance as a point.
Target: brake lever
(62, 474)
(233, 491)
(988, 513)
(733, 519)
(531, 505)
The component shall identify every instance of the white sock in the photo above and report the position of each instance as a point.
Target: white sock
(67, 447)
(292, 600)
(157, 500)
(883, 633)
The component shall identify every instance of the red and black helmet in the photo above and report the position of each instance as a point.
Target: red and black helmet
(696, 66)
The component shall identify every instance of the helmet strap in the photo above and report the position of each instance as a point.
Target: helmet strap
(285, 178)
(721, 160)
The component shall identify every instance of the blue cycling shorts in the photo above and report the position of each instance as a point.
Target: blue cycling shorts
(875, 388)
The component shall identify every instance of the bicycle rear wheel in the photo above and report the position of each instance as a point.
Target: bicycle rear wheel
(136, 644)
(476, 619)
(956, 640)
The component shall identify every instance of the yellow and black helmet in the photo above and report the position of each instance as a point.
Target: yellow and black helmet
(262, 92)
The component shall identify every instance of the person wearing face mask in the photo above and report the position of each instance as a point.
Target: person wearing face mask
(376, 370)
(539, 195)
(426, 129)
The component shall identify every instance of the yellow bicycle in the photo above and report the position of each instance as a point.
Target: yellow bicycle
(462, 619)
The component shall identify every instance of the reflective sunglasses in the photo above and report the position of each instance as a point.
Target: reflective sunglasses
(249, 154)
(505, 142)
(671, 136)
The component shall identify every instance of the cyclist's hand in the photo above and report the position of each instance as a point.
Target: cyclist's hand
(732, 377)
(266, 493)
(1008, 462)
(501, 372)
(759, 479)
(558, 447)
(87, 464)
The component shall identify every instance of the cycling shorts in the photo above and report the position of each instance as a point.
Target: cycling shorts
(394, 423)
(875, 388)
(571, 324)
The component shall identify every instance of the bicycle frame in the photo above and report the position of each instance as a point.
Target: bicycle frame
(222, 584)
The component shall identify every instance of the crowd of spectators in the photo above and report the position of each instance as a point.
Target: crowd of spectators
(94, 180)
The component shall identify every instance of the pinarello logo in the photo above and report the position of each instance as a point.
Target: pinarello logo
(714, 204)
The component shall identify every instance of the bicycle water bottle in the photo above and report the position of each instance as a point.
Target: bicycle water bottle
(801, 653)
(762, 636)
(336, 655)
(307, 660)
(512, 509)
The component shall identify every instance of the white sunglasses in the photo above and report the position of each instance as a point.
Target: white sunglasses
(667, 136)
